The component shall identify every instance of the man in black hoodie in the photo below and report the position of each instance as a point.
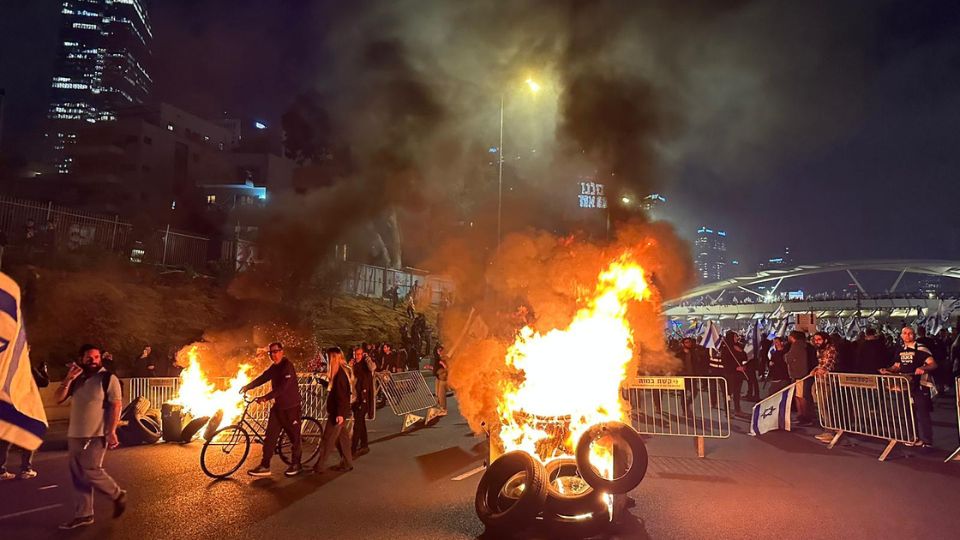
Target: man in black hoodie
(339, 415)
(285, 413)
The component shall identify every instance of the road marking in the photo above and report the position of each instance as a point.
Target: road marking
(51, 486)
(25, 512)
(469, 473)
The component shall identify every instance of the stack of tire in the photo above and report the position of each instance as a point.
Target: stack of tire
(179, 426)
(138, 425)
(518, 492)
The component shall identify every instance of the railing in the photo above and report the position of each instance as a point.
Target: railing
(680, 406)
(376, 281)
(871, 405)
(57, 227)
(407, 392)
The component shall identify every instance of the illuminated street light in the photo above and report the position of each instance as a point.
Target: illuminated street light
(625, 200)
(534, 87)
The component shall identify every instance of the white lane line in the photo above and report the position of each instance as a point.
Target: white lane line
(469, 473)
(51, 486)
(40, 509)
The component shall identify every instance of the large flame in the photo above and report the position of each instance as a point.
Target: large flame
(573, 374)
(200, 397)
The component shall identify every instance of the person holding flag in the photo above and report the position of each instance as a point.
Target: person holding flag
(730, 366)
(23, 422)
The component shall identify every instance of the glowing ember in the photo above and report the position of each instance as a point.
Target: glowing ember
(573, 375)
(199, 397)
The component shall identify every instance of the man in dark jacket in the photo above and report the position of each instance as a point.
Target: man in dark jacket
(730, 367)
(285, 413)
(339, 421)
(872, 356)
(777, 367)
(800, 359)
(364, 407)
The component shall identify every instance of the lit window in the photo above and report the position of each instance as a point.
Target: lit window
(173, 205)
(211, 199)
(169, 126)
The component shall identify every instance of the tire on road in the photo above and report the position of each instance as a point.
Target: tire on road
(579, 526)
(190, 430)
(629, 439)
(138, 406)
(529, 503)
(140, 430)
(565, 503)
(213, 425)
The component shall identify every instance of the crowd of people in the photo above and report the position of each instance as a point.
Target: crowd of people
(929, 362)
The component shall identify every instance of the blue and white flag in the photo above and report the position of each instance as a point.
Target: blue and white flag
(711, 338)
(23, 421)
(773, 412)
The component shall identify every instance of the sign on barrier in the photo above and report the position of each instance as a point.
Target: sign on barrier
(680, 406)
(406, 393)
(872, 405)
(956, 390)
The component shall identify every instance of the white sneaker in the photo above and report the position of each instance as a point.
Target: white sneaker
(7, 475)
(28, 474)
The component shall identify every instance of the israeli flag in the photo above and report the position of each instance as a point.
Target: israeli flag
(773, 413)
(23, 421)
(711, 338)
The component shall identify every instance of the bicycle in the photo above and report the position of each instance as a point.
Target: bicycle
(227, 449)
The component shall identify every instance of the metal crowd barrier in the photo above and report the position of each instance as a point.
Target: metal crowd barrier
(680, 406)
(160, 390)
(956, 390)
(407, 392)
(872, 405)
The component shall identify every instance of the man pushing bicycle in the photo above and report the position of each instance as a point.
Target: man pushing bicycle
(285, 413)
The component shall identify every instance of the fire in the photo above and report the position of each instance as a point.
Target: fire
(571, 377)
(200, 397)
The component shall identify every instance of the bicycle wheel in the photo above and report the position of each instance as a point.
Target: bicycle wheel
(311, 433)
(225, 452)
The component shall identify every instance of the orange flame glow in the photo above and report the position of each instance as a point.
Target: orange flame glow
(573, 373)
(200, 397)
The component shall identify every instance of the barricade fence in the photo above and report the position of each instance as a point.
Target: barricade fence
(679, 406)
(160, 390)
(956, 391)
(871, 405)
(406, 392)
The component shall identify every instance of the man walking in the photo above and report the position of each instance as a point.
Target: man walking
(285, 413)
(339, 421)
(94, 413)
(730, 367)
(798, 367)
(916, 362)
(363, 370)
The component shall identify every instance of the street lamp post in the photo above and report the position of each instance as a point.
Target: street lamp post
(534, 88)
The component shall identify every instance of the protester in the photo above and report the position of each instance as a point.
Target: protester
(730, 366)
(145, 366)
(94, 414)
(364, 406)
(285, 413)
(871, 356)
(339, 422)
(777, 372)
(751, 367)
(26, 463)
(826, 363)
(440, 372)
(915, 361)
(797, 359)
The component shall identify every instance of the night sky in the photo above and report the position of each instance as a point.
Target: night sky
(831, 127)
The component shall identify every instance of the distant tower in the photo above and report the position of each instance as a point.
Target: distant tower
(102, 65)
(711, 254)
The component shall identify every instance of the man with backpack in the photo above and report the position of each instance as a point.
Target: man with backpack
(94, 414)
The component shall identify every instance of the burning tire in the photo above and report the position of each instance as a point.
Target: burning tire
(568, 494)
(577, 526)
(191, 429)
(629, 440)
(493, 511)
(213, 425)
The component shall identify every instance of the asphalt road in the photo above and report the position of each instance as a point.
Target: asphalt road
(783, 485)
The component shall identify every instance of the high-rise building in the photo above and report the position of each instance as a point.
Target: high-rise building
(711, 254)
(101, 66)
(653, 205)
(779, 261)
